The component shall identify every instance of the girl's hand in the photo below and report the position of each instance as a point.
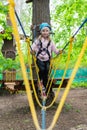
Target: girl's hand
(60, 51)
(33, 52)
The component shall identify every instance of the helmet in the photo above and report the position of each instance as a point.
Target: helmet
(42, 25)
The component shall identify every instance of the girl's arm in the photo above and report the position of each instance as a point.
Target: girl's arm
(34, 47)
(55, 50)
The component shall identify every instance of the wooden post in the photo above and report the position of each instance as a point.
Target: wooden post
(41, 13)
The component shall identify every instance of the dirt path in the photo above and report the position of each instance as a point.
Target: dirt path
(15, 113)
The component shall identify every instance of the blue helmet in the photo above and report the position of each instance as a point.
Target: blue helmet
(42, 25)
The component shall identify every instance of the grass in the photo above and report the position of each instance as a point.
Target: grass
(67, 107)
(79, 85)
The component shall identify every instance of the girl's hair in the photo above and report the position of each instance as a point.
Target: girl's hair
(40, 36)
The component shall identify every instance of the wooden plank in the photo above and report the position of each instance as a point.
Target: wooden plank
(20, 86)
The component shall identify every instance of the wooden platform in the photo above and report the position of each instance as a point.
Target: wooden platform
(19, 84)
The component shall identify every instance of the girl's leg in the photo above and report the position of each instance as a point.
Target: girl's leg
(41, 67)
(46, 71)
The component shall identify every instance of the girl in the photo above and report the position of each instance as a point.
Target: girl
(43, 48)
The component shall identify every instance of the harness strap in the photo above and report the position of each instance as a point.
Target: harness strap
(44, 49)
(47, 49)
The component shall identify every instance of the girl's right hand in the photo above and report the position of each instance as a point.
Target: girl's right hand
(33, 52)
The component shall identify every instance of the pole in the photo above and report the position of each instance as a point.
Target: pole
(43, 111)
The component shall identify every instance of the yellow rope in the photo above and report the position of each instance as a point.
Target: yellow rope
(51, 67)
(17, 38)
(52, 76)
(62, 101)
(31, 74)
(58, 90)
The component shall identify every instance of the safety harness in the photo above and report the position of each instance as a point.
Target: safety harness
(41, 49)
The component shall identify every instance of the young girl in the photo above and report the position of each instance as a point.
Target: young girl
(43, 48)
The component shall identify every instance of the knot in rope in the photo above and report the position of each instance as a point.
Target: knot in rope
(71, 39)
(27, 40)
(44, 108)
(60, 51)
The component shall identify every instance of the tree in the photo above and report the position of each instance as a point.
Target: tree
(68, 16)
(41, 13)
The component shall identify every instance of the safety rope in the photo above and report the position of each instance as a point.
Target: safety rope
(76, 32)
(22, 27)
(17, 38)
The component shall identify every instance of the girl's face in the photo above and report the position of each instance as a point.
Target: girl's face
(45, 32)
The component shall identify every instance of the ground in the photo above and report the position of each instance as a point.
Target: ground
(15, 113)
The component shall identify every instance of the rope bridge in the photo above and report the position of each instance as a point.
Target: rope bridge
(27, 84)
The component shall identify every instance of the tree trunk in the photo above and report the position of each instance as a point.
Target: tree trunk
(41, 13)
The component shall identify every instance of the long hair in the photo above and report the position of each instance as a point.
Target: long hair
(40, 37)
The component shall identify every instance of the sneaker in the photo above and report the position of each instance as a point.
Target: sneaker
(43, 93)
(40, 85)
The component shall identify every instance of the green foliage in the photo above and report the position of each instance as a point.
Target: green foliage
(26, 13)
(81, 84)
(67, 18)
(68, 107)
(3, 9)
(7, 34)
(8, 63)
(7, 29)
